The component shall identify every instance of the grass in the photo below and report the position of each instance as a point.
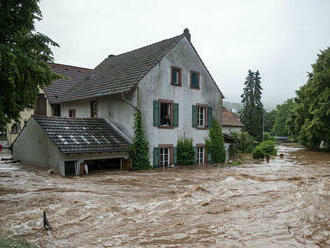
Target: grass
(14, 243)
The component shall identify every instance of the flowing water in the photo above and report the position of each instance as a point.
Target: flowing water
(285, 203)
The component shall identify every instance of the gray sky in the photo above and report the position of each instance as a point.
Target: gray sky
(279, 38)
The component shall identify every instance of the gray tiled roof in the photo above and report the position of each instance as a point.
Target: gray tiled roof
(82, 135)
(73, 75)
(120, 73)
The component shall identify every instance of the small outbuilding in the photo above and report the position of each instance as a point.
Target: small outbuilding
(230, 122)
(71, 145)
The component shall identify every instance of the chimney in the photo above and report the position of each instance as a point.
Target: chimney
(111, 56)
(186, 33)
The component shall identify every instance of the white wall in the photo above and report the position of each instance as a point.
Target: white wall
(112, 108)
(227, 130)
(156, 85)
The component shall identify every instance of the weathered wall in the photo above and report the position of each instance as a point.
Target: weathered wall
(111, 108)
(156, 85)
(34, 147)
(227, 130)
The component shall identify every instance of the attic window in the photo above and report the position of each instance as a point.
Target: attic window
(176, 76)
(194, 80)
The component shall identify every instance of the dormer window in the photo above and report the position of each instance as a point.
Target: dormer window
(176, 76)
(194, 80)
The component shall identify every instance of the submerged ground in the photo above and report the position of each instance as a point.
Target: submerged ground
(285, 203)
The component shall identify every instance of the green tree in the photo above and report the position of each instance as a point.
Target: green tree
(280, 127)
(269, 120)
(309, 121)
(253, 110)
(139, 149)
(24, 54)
(215, 144)
(185, 151)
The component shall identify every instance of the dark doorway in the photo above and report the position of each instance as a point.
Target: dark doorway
(70, 168)
(100, 165)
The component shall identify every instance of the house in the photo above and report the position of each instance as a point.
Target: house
(166, 81)
(230, 122)
(46, 102)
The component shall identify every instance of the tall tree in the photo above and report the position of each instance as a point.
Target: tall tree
(310, 120)
(253, 110)
(280, 127)
(24, 54)
(269, 120)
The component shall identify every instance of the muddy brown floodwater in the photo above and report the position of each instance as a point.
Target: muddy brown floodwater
(285, 203)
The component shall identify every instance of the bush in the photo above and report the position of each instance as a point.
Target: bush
(185, 151)
(265, 148)
(268, 136)
(14, 243)
(215, 144)
(139, 149)
(243, 143)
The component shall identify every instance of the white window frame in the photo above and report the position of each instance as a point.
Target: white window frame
(200, 154)
(201, 116)
(163, 155)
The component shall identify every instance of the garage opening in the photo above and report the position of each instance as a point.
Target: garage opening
(70, 168)
(99, 165)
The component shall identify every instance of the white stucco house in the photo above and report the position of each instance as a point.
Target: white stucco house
(167, 81)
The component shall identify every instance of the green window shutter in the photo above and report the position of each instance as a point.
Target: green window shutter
(209, 116)
(156, 113)
(156, 157)
(175, 114)
(194, 116)
(195, 155)
(175, 156)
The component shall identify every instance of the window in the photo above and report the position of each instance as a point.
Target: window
(72, 113)
(201, 116)
(165, 114)
(94, 109)
(164, 159)
(201, 121)
(176, 76)
(56, 108)
(194, 80)
(200, 153)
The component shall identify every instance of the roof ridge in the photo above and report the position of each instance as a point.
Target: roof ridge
(70, 66)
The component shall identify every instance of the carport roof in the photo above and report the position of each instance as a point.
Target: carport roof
(83, 135)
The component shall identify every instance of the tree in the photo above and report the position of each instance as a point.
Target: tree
(253, 110)
(215, 145)
(24, 55)
(185, 151)
(269, 120)
(139, 149)
(280, 127)
(309, 121)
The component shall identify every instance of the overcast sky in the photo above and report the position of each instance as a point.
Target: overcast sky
(280, 38)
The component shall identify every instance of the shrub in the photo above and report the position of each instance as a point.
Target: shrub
(215, 145)
(14, 243)
(185, 151)
(265, 148)
(268, 136)
(139, 149)
(243, 143)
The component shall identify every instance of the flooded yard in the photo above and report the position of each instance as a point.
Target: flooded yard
(285, 203)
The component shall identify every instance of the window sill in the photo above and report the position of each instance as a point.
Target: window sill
(166, 127)
(178, 85)
(202, 128)
(194, 88)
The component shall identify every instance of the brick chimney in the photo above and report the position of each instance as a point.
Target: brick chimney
(186, 33)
